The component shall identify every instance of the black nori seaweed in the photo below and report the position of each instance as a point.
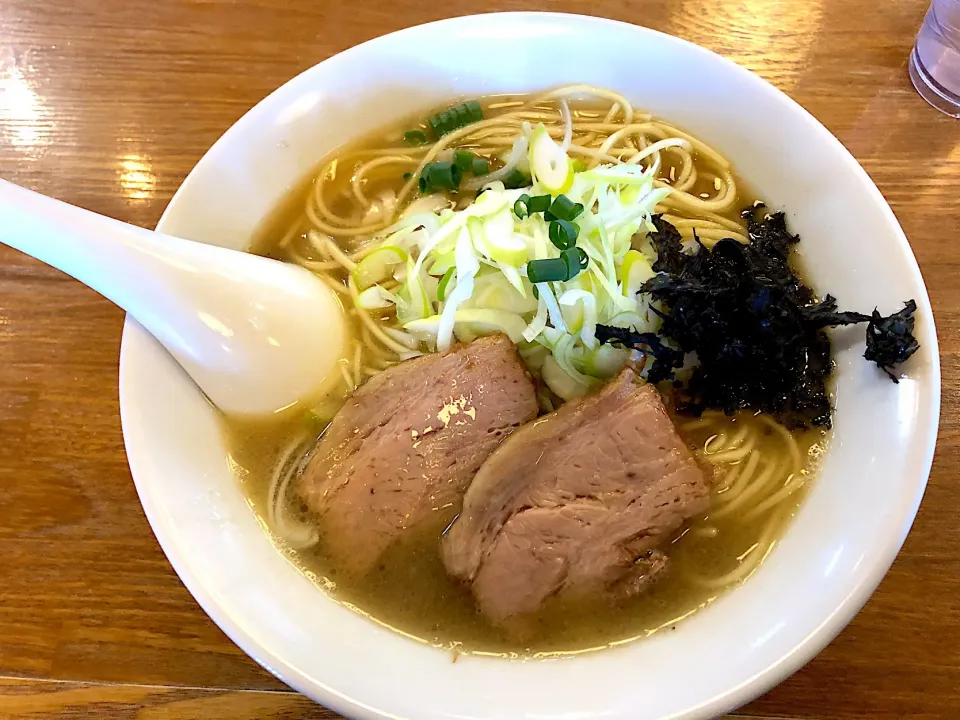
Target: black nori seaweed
(890, 339)
(756, 329)
(665, 358)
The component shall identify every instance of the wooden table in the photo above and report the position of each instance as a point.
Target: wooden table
(108, 104)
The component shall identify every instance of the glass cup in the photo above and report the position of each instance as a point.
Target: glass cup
(935, 60)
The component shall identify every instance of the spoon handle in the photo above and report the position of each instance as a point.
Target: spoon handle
(105, 254)
(167, 284)
(255, 334)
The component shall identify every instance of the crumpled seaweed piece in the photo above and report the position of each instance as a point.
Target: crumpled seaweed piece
(665, 358)
(890, 339)
(668, 244)
(825, 314)
(756, 329)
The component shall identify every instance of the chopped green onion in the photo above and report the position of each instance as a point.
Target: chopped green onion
(467, 112)
(516, 179)
(439, 176)
(454, 118)
(463, 159)
(584, 260)
(566, 267)
(481, 166)
(571, 261)
(521, 208)
(438, 123)
(563, 208)
(474, 110)
(415, 137)
(563, 234)
(536, 291)
(407, 176)
(539, 203)
(548, 270)
(579, 165)
(442, 285)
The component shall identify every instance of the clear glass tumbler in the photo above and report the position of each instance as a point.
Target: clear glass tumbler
(935, 60)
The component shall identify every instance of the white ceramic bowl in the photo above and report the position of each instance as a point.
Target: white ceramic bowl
(845, 536)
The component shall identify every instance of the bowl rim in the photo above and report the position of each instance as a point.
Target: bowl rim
(774, 673)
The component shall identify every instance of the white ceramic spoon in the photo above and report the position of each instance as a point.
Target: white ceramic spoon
(256, 335)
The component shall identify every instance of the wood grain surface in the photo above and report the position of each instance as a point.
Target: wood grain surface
(108, 104)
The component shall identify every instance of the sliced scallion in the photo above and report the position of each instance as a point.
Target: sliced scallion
(474, 111)
(415, 137)
(539, 203)
(481, 166)
(463, 115)
(563, 208)
(438, 123)
(440, 175)
(516, 179)
(563, 234)
(547, 270)
(521, 208)
(454, 118)
(463, 159)
(571, 261)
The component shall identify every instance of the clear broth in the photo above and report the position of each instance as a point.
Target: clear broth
(410, 591)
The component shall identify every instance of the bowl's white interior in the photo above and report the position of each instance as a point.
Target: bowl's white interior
(847, 532)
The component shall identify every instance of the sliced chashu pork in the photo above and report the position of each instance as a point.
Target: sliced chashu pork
(576, 502)
(408, 442)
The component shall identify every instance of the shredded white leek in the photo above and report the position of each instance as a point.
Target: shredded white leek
(486, 247)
